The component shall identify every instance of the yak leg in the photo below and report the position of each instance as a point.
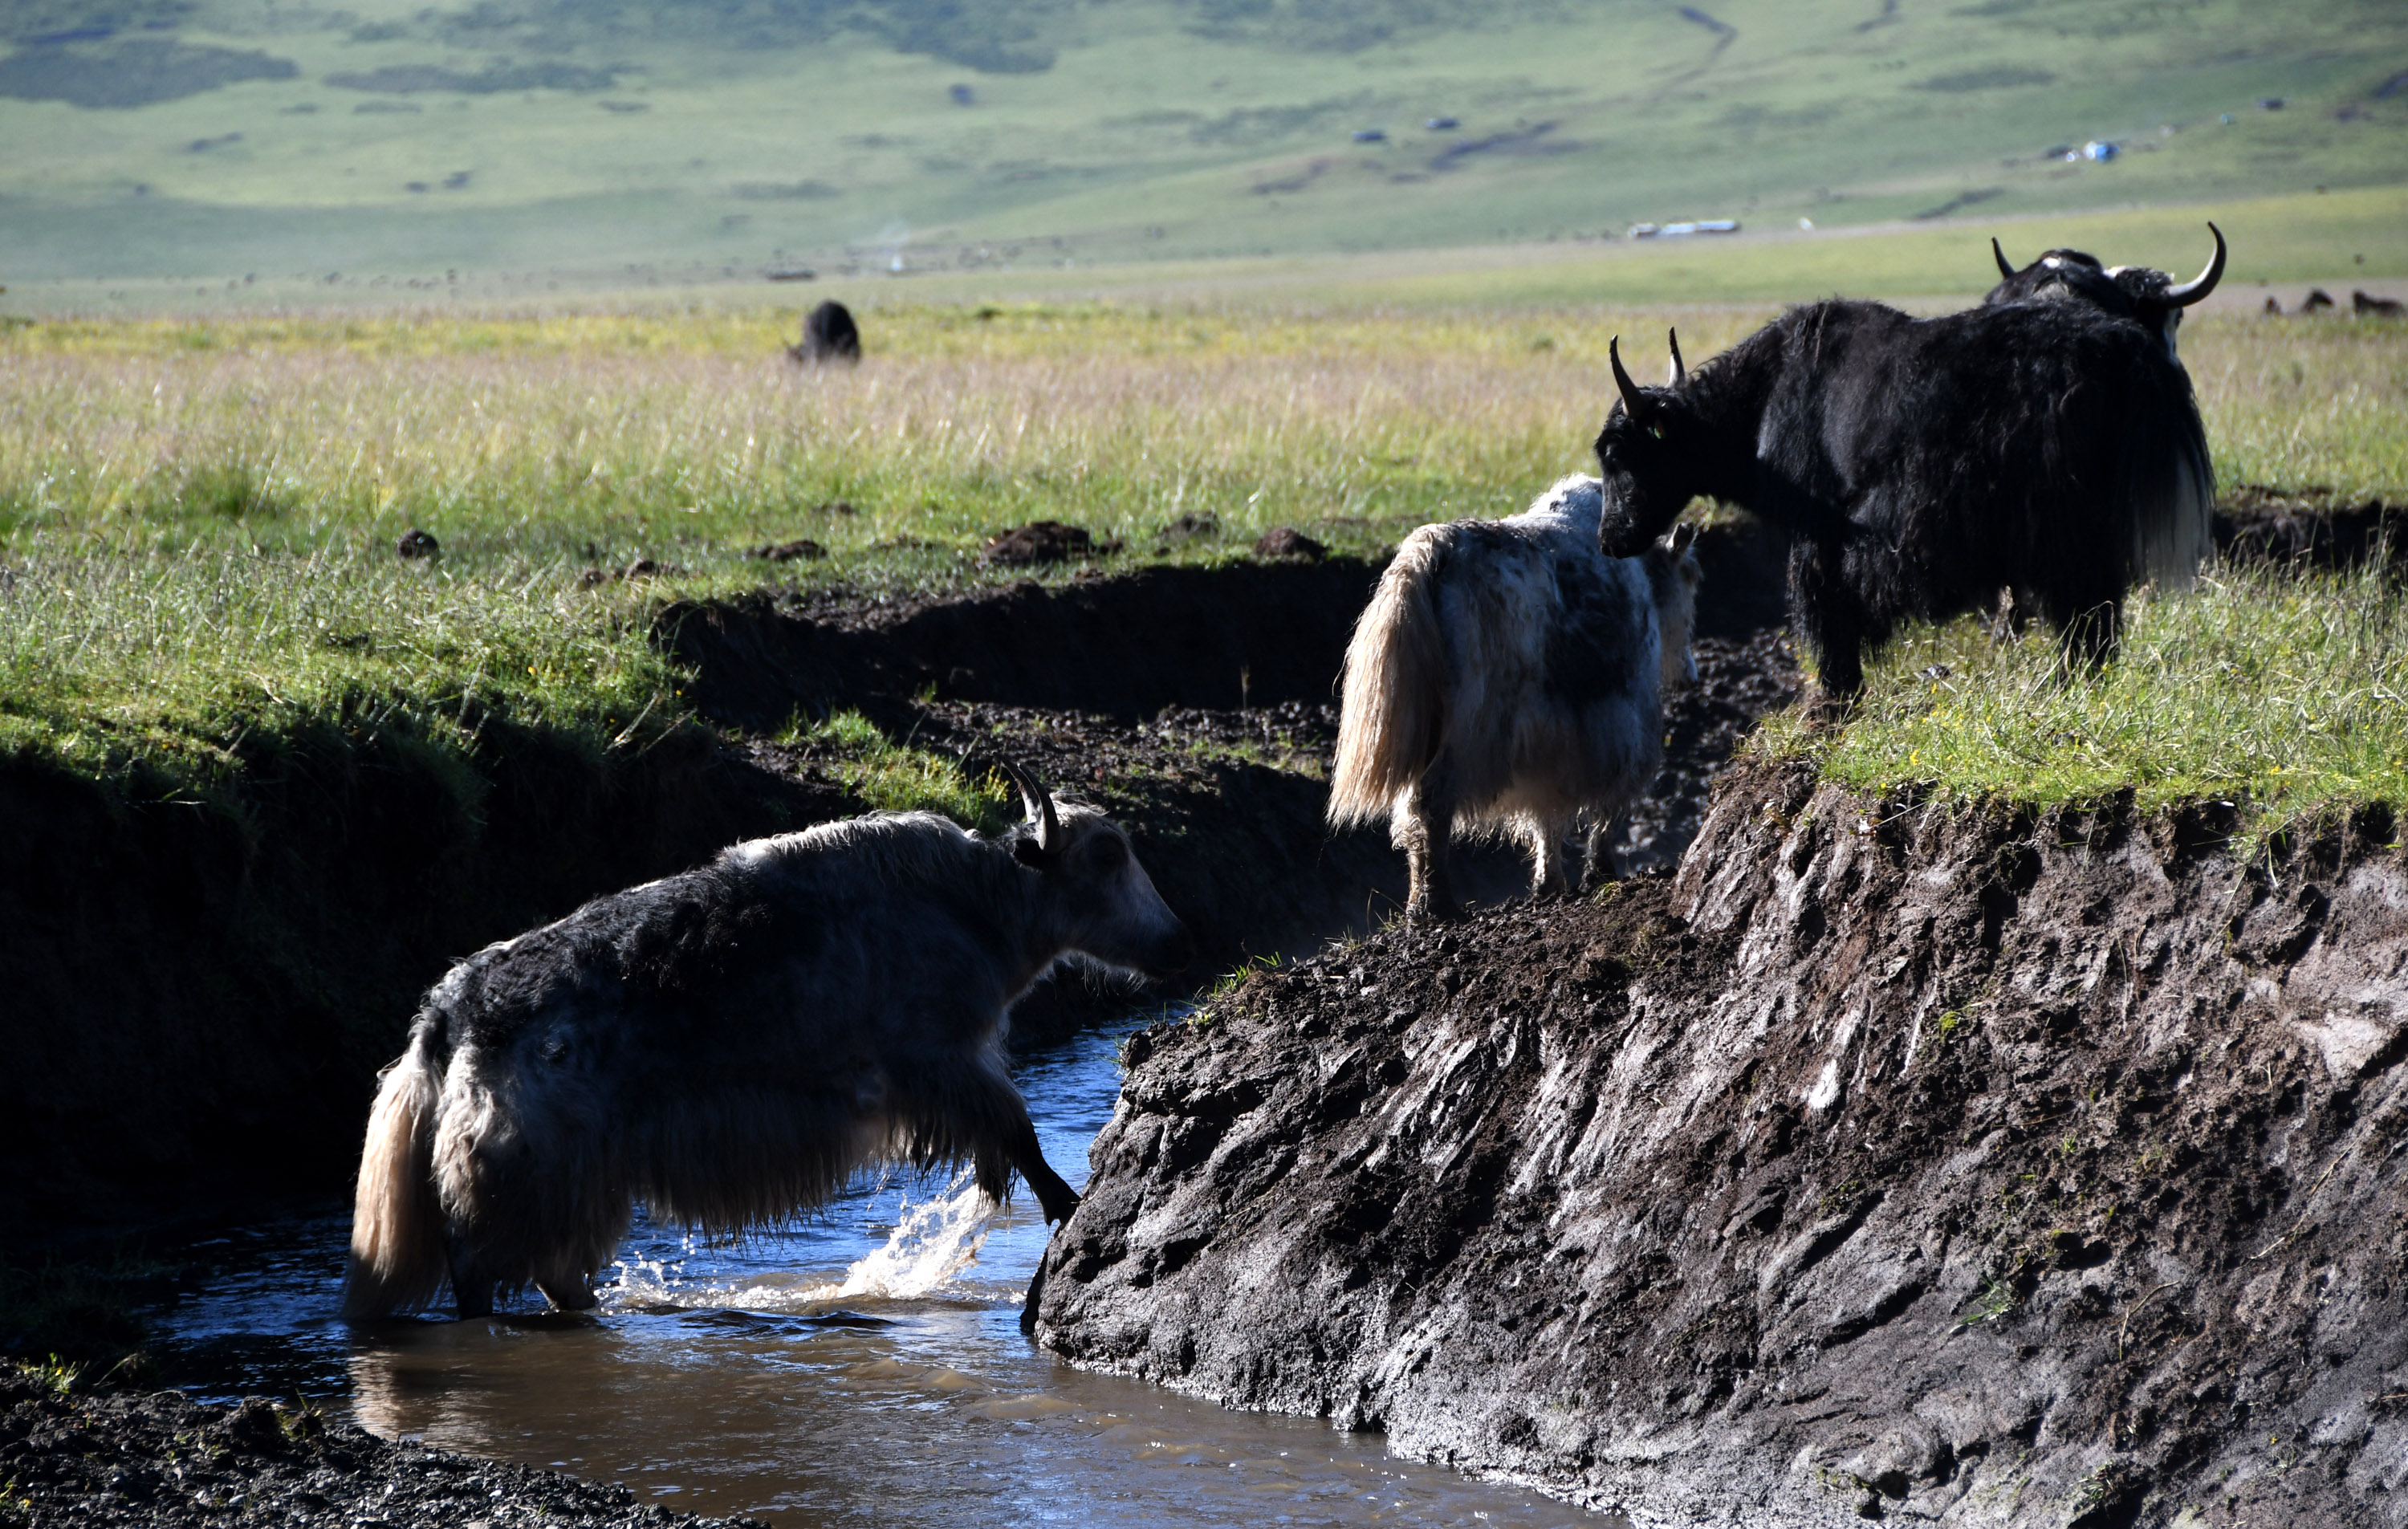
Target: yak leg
(1058, 1198)
(1425, 828)
(472, 1286)
(568, 1288)
(1829, 617)
(1603, 863)
(1559, 858)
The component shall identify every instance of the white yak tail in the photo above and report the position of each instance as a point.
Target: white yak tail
(398, 1261)
(1392, 716)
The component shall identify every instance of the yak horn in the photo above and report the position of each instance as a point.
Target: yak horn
(1035, 801)
(1631, 399)
(1678, 373)
(2192, 291)
(2000, 256)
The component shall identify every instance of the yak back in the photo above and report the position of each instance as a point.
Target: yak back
(2048, 447)
(843, 918)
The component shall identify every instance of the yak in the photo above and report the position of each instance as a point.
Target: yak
(829, 335)
(728, 1046)
(1506, 676)
(2050, 449)
(2148, 297)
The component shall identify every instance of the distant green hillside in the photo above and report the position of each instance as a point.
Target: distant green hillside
(214, 138)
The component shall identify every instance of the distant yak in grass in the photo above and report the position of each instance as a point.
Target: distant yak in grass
(1507, 676)
(2148, 297)
(829, 335)
(2048, 449)
(730, 1045)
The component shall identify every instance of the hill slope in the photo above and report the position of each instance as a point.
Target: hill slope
(224, 136)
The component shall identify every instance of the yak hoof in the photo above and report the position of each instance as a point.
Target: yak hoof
(569, 1297)
(1058, 1211)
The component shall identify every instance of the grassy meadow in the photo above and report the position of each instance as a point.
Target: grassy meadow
(199, 517)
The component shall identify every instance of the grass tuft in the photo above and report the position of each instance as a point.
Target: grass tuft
(2284, 693)
(897, 778)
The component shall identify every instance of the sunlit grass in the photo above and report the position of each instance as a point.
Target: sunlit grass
(897, 778)
(2284, 693)
(186, 669)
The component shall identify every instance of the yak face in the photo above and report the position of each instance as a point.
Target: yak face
(1106, 903)
(1646, 462)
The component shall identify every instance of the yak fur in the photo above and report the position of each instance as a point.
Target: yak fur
(1506, 677)
(728, 1046)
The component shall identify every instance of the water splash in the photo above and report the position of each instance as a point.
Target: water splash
(933, 1245)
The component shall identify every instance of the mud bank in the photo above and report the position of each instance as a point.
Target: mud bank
(121, 1458)
(1977, 1168)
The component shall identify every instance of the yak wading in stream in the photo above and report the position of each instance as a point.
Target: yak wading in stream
(2047, 455)
(730, 1045)
(1508, 676)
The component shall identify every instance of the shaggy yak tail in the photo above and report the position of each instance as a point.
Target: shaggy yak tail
(398, 1261)
(1393, 715)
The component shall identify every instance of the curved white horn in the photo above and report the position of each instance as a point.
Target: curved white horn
(1036, 802)
(2192, 291)
(1679, 373)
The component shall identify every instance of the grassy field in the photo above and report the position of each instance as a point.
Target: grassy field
(529, 145)
(199, 517)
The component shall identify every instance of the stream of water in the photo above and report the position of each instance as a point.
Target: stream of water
(866, 1367)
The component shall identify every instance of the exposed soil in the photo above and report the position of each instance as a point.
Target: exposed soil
(2311, 526)
(121, 1458)
(1890, 1161)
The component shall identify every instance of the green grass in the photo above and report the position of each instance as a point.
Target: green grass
(176, 672)
(2286, 693)
(1139, 130)
(895, 777)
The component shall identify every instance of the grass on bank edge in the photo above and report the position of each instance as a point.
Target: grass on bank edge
(174, 675)
(2283, 691)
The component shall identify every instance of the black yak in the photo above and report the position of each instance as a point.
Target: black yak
(829, 335)
(2367, 306)
(730, 1045)
(1507, 676)
(1922, 466)
(2148, 297)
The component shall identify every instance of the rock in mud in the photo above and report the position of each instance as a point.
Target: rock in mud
(1892, 1160)
(121, 1458)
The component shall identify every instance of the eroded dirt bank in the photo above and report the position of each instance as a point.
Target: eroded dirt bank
(1887, 1161)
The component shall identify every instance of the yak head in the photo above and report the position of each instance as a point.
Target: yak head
(1673, 576)
(1104, 906)
(1649, 455)
(2148, 297)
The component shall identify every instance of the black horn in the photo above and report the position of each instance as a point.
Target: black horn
(2000, 256)
(1631, 397)
(2192, 291)
(1678, 373)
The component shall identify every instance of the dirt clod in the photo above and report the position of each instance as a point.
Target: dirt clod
(788, 551)
(1044, 542)
(1287, 541)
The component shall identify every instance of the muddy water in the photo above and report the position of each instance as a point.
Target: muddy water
(867, 1366)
